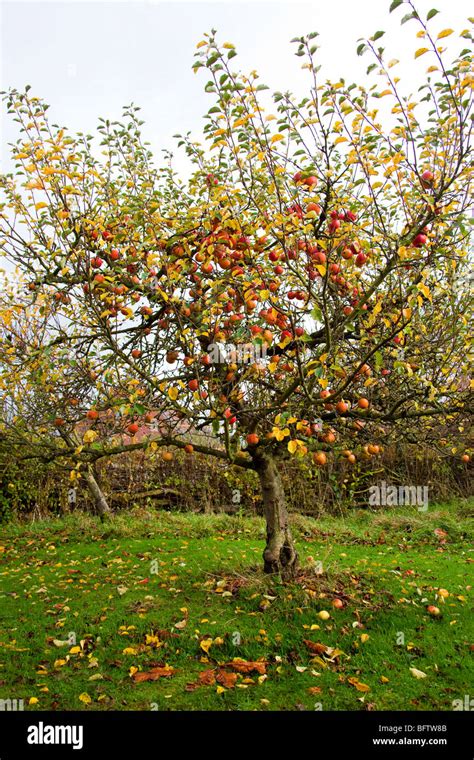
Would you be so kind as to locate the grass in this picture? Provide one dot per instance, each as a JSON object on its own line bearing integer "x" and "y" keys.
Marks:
{"x": 122, "y": 587}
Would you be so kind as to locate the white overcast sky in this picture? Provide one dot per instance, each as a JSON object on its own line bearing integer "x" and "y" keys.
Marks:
{"x": 88, "y": 59}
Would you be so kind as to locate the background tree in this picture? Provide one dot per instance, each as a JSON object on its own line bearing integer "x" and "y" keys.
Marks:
{"x": 301, "y": 295}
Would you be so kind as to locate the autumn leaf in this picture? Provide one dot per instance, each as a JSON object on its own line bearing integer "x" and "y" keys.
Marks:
{"x": 247, "y": 666}
{"x": 228, "y": 680}
{"x": 444, "y": 33}
{"x": 205, "y": 645}
{"x": 207, "y": 678}
{"x": 417, "y": 673}
{"x": 315, "y": 647}
{"x": 357, "y": 684}
{"x": 154, "y": 674}
{"x": 85, "y": 698}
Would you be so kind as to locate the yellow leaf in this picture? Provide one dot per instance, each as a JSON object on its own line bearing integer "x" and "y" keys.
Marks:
{"x": 89, "y": 436}
{"x": 377, "y": 308}
{"x": 152, "y": 640}
{"x": 133, "y": 670}
{"x": 277, "y": 138}
{"x": 444, "y": 33}
{"x": 40, "y": 205}
{"x": 220, "y": 690}
{"x": 358, "y": 685}
{"x": 417, "y": 673}
{"x": 201, "y": 44}
{"x": 32, "y": 701}
{"x": 364, "y": 637}
{"x": 292, "y": 446}
{"x": 173, "y": 393}
{"x": 84, "y": 697}
{"x": 130, "y": 650}
{"x": 420, "y": 52}
{"x": 425, "y": 290}
{"x": 205, "y": 645}
{"x": 74, "y": 650}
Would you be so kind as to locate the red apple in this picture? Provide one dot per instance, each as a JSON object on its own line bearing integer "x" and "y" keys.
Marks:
{"x": 420, "y": 240}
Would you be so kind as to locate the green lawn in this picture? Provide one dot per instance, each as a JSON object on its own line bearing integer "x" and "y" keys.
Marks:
{"x": 122, "y": 587}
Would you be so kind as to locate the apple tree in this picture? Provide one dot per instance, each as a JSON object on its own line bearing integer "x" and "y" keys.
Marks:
{"x": 303, "y": 293}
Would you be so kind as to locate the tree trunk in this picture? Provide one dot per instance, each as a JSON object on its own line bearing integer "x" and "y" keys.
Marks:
{"x": 100, "y": 501}
{"x": 280, "y": 555}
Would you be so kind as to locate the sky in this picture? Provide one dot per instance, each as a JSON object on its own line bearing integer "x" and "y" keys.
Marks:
{"x": 88, "y": 59}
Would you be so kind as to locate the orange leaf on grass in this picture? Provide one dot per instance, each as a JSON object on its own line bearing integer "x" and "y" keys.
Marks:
{"x": 154, "y": 674}
{"x": 207, "y": 678}
{"x": 315, "y": 647}
{"x": 247, "y": 666}
{"x": 228, "y": 680}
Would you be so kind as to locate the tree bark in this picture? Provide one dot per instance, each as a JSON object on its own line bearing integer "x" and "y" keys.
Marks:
{"x": 100, "y": 501}
{"x": 280, "y": 555}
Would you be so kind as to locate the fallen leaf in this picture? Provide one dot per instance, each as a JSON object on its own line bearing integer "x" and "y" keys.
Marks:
{"x": 358, "y": 685}
{"x": 417, "y": 673}
{"x": 205, "y": 645}
{"x": 245, "y": 666}
{"x": 207, "y": 678}
{"x": 130, "y": 650}
{"x": 315, "y": 647}
{"x": 154, "y": 674}
{"x": 228, "y": 680}
{"x": 84, "y": 697}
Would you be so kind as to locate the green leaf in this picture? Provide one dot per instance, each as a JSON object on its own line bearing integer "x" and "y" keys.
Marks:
{"x": 377, "y": 36}
{"x": 361, "y": 48}
{"x": 395, "y": 4}
{"x": 378, "y": 359}
{"x": 431, "y": 14}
